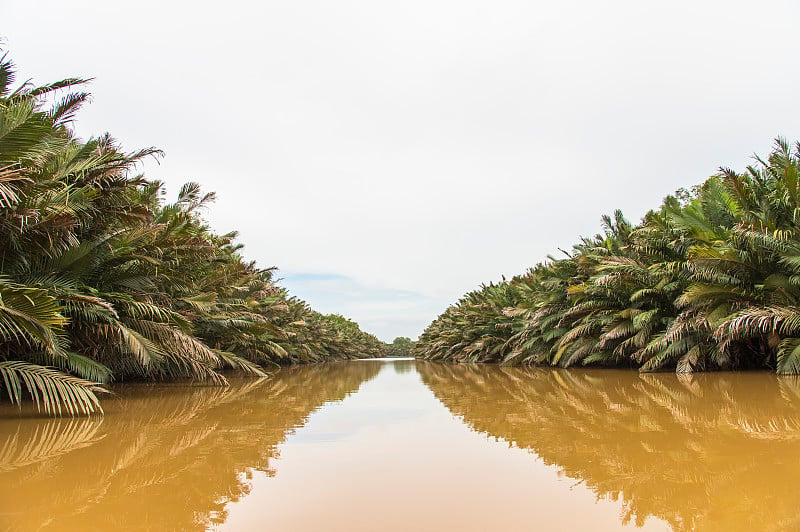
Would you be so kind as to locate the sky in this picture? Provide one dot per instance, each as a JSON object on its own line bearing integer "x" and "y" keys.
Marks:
{"x": 389, "y": 156}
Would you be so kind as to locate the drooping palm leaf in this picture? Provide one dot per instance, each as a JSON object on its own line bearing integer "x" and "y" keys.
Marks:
{"x": 51, "y": 390}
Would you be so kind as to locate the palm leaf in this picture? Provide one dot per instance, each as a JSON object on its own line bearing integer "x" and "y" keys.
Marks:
{"x": 50, "y": 389}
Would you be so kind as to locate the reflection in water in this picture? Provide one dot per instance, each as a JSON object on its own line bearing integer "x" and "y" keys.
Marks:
{"x": 392, "y": 458}
{"x": 163, "y": 457}
{"x": 401, "y": 366}
{"x": 712, "y": 452}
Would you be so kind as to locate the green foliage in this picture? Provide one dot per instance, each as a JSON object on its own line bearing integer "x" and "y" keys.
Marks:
{"x": 710, "y": 280}
{"x": 401, "y": 346}
{"x": 101, "y": 279}
{"x": 50, "y": 389}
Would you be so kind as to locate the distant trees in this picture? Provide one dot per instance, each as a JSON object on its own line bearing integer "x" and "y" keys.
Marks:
{"x": 101, "y": 278}
{"x": 400, "y": 347}
{"x": 710, "y": 280}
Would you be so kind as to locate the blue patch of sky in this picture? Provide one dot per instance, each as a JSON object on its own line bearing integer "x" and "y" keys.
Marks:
{"x": 383, "y": 311}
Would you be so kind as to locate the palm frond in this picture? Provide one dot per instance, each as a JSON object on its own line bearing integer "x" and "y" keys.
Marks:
{"x": 50, "y": 389}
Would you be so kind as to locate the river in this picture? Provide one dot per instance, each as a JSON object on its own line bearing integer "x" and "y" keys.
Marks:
{"x": 384, "y": 445}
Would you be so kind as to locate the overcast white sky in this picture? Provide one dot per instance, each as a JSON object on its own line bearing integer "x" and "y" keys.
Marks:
{"x": 389, "y": 156}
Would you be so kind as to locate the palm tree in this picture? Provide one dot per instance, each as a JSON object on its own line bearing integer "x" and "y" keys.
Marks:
{"x": 709, "y": 280}
{"x": 100, "y": 279}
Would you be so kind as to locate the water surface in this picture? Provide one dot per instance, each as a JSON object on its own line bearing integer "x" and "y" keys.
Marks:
{"x": 406, "y": 445}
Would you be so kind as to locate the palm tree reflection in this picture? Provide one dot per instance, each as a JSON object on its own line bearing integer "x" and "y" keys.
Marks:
{"x": 166, "y": 457}
{"x": 712, "y": 452}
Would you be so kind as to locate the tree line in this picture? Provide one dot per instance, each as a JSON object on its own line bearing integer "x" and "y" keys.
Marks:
{"x": 402, "y": 346}
{"x": 710, "y": 280}
{"x": 102, "y": 279}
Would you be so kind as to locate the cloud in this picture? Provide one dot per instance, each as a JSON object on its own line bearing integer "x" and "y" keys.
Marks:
{"x": 384, "y": 311}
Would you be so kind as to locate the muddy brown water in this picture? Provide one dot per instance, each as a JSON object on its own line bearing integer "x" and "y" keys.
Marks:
{"x": 406, "y": 445}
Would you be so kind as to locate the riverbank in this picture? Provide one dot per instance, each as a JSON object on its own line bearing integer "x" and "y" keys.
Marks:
{"x": 103, "y": 279}
{"x": 710, "y": 280}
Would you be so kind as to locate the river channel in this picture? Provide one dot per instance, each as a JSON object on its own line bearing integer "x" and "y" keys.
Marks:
{"x": 384, "y": 445}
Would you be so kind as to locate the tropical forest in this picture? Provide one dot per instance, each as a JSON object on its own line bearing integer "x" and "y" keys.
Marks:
{"x": 104, "y": 279}
{"x": 708, "y": 281}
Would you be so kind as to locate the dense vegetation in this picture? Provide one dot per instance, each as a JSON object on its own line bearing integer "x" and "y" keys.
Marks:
{"x": 101, "y": 279}
{"x": 710, "y": 280}
{"x": 402, "y": 346}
